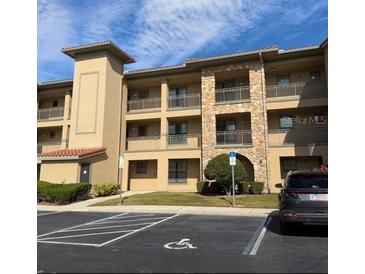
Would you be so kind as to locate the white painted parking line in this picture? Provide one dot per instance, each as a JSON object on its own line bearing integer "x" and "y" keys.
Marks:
{"x": 93, "y": 222}
{"x": 135, "y": 216}
{"x": 85, "y": 235}
{"x": 67, "y": 243}
{"x": 93, "y": 230}
{"x": 138, "y": 230}
{"x": 48, "y": 213}
{"x": 134, "y": 220}
{"x": 254, "y": 243}
{"x": 106, "y": 227}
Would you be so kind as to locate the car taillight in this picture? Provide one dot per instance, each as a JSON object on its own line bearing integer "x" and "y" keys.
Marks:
{"x": 291, "y": 195}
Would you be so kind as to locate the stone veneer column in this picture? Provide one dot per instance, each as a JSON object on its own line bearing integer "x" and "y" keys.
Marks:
{"x": 258, "y": 122}
{"x": 208, "y": 116}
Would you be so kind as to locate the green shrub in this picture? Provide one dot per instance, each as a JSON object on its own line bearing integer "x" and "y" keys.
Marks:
{"x": 106, "y": 189}
{"x": 245, "y": 187}
{"x": 256, "y": 187}
{"x": 62, "y": 193}
{"x": 218, "y": 169}
{"x": 202, "y": 187}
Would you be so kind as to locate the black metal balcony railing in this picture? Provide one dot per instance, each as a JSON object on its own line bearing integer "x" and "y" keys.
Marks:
{"x": 234, "y": 94}
{"x": 168, "y": 141}
{"x": 298, "y": 136}
{"x": 312, "y": 89}
{"x": 142, "y": 104}
{"x": 50, "y": 113}
{"x": 189, "y": 140}
{"x": 184, "y": 101}
{"x": 234, "y": 137}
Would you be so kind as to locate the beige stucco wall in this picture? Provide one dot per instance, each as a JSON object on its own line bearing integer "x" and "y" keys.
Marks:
{"x": 161, "y": 157}
{"x": 277, "y": 152}
{"x": 60, "y": 172}
{"x": 88, "y": 102}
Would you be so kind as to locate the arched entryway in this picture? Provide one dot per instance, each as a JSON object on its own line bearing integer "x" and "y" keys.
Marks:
{"x": 248, "y": 166}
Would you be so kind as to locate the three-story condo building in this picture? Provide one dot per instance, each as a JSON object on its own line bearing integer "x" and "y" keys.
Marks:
{"x": 157, "y": 128}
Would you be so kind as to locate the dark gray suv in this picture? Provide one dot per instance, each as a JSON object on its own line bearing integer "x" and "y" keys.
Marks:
{"x": 303, "y": 199}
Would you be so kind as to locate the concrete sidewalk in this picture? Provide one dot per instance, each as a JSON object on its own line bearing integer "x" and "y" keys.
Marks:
{"x": 84, "y": 206}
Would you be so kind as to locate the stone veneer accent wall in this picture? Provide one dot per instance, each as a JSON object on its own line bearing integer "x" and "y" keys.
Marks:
{"x": 257, "y": 153}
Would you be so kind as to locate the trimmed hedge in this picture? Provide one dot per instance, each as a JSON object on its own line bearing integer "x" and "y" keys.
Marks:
{"x": 62, "y": 193}
{"x": 106, "y": 189}
{"x": 256, "y": 187}
{"x": 245, "y": 187}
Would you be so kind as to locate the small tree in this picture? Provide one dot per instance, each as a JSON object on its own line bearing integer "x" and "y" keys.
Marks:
{"x": 218, "y": 169}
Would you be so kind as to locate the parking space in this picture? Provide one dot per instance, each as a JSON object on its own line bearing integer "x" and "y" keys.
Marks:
{"x": 130, "y": 242}
{"x": 103, "y": 231}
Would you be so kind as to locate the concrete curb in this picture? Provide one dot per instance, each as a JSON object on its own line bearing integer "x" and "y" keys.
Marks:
{"x": 252, "y": 212}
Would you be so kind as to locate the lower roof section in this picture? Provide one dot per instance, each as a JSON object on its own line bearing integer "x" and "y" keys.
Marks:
{"x": 71, "y": 153}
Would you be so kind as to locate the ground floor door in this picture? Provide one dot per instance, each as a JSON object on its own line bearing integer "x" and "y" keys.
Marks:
{"x": 85, "y": 173}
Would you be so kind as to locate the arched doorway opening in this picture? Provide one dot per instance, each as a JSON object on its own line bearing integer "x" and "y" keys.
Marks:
{"x": 248, "y": 166}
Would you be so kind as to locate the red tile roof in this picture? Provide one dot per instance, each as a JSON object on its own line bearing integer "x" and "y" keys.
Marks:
{"x": 73, "y": 152}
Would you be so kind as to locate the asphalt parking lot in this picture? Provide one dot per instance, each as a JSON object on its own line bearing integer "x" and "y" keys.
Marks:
{"x": 87, "y": 242}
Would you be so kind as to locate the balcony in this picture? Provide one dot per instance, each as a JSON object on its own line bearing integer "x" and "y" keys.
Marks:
{"x": 51, "y": 146}
{"x": 143, "y": 143}
{"x": 144, "y": 104}
{"x": 184, "y": 101}
{"x": 232, "y": 95}
{"x": 178, "y": 141}
{"x": 305, "y": 90}
{"x": 55, "y": 113}
{"x": 184, "y": 141}
{"x": 298, "y": 136}
{"x": 234, "y": 138}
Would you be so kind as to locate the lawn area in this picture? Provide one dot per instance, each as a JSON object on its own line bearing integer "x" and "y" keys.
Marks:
{"x": 194, "y": 199}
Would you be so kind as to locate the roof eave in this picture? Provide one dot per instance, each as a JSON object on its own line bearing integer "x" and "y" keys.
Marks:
{"x": 106, "y": 45}
{"x": 230, "y": 56}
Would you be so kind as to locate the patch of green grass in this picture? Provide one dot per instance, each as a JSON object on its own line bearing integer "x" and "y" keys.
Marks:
{"x": 258, "y": 201}
{"x": 194, "y": 199}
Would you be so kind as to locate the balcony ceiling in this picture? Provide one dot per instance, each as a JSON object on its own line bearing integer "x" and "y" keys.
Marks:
{"x": 294, "y": 65}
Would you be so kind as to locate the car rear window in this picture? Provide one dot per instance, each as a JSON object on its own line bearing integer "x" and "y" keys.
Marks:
{"x": 308, "y": 181}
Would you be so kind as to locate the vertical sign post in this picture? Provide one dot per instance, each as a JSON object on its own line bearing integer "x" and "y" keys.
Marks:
{"x": 232, "y": 163}
{"x": 121, "y": 166}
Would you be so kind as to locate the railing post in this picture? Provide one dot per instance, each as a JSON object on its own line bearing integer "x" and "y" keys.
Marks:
{"x": 295, "y": 89}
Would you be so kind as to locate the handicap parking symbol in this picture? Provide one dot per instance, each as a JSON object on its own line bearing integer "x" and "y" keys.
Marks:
{"x": 182, "y": 244}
